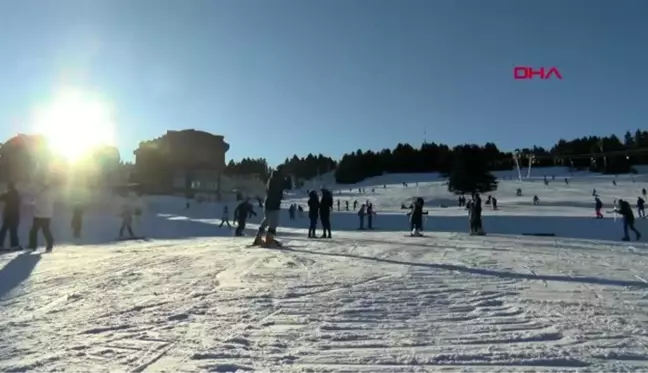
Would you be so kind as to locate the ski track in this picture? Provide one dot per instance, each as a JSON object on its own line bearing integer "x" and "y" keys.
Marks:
{"x": 218, "y": 306}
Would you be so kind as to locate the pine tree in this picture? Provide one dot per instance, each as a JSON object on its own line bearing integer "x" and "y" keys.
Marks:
{"x": 470, "y": 172}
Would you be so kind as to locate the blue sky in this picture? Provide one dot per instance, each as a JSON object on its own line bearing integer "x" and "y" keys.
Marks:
{"x": 279, "y": 77}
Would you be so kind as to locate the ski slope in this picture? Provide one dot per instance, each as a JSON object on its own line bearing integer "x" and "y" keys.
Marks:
{"x": 192, "y": 298}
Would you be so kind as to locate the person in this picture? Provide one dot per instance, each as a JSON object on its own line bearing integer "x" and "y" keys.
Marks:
{"x": 641, "y": 207}
{"x": 416, "y": 217}
{"x": 624, "y": 209}
{"x": 476, "y": 227}
{"x": 326, "y": 205}
{"x": 127, "y": 218}
{"x": 313, "y": 213}
{"x": 272, "y": 208}
{"x": 225, "y": 218}
{"x": 77, "y": 220}
{"x": 241, "y": 214}
{"x": 10, "y": 217}
{"x": 43, "y": 202}
{"x": 598, "y": 205}
{"x": 361, "y": 216}
{"x": 370, "y": 215}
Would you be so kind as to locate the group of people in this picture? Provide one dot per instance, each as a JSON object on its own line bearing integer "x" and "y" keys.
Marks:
{"x": 42, "y": 201}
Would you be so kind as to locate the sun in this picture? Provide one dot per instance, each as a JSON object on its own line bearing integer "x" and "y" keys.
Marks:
{"x": 74, "y": 123}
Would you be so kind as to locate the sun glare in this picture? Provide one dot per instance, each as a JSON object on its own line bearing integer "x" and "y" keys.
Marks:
{"x": 74, "y": 123}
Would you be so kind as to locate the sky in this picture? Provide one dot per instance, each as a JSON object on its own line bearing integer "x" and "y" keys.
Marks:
{"x": 284, "y": 77}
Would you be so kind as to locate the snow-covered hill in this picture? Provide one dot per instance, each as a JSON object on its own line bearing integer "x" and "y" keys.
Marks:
{"x": 192, "y": 298}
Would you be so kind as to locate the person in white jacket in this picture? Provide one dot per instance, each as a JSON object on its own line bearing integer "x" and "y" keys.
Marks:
{"x": 43, "y": 202}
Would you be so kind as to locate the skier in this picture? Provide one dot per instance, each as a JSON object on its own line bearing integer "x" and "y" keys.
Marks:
{"x": 272, "y": 208}
{"x": 536, "y": 200}
{"x": 10, "y": 217}
{"x": 476, "y": 227}
{"x": 326, "y": 204}
{"x": 361, "y": 216}
{"x": 225, "y": 218}
{"x": 594, "y": 192}
{"x": 300, "y": 209}
{"x": 355, "y": 205}
{"x": 291, "y": 211}
{"x": 77, "y": 220}
{"x": 241, "y": 214}
{"x": 338, "y": 204}
{"x": 494, "y": 203}
{"x": 624, "y": 210}
{"x": 313, "y": 213}
{"x": 346, "y": 205}
{"x": 643, "y": 191}
{"x": 614, "y": 182}
{"x": 641, "y": 211}
{"x": 126, "y": 215}
{"x": 416, "y": 217}
{"x": 598, "y": 205}
{"x": 43, "y": 212}
{"x": 370, "y": 215}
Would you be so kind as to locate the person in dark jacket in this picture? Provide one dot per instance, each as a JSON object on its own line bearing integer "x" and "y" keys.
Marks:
{"x": 272, "y": 208}
{"x": 313, "y": 213}
{"x": 241, "y": 214}
{"x": 416, "y": 217}
{"x": 476, "y": 227}
{"x": 625, "y": 210}
{"x": 326, "y": 205}
{"x": 641, "y": 207}
{"x": 10, "y": 216}
{"x": 598, "y": 205}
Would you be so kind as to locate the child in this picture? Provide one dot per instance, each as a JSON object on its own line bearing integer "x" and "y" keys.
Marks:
{"x": 127, "y": 219}
{"x": 225, "y": 217}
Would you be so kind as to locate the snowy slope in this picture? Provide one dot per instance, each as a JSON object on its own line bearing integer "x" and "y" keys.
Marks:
{"x": 195, "y": 299}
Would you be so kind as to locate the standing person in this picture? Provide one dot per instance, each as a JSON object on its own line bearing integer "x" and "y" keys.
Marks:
{"x": 625, "y": 210}
{"x": 10, "y": 217}
{"x": 313, "y": 213}
{"x": 361, "y": 216}
{"x": 77, "y": 220}
{"x": 416, "y": 217}
{"x": 641, "y": 208}
{"x": 127, "y": 218}
{"x": 326, "y": 205}
{"x": 598, "y": 205}
{"x": 272, "y": 208}
{"x": 225, "y": 218}
{"x": 476, "y": 227}
{"x": 43, "y": 212}
{"x": 370, "y": 215}
{"x": 241, "y": 214}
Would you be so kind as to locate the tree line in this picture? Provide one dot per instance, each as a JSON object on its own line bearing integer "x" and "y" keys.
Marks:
{"x": 607, "y": 154}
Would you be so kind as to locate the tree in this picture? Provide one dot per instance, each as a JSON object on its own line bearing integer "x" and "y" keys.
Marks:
{"x": 470, "y": 172}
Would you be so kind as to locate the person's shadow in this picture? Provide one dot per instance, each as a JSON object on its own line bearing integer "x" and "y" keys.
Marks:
{"x": 16, "y": 271}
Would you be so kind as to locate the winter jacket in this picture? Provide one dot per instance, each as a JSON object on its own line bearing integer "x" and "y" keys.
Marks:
{"x": 326, "y": 204}
{"x": 11, "y": 200}
{"x": 274, "y": 192}
{"x": 243, "y": 210}
{"x": 313, "y": 205}
{"x": 44, "y": 203}
{"x": 416, "y": 215}
{"x": 625, "y": 210}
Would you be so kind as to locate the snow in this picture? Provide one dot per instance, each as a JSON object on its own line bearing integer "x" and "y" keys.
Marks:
{"x": 192, "y": 298}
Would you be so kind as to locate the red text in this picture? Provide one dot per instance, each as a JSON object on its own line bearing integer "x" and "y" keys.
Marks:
{"x": 525, "y": 72}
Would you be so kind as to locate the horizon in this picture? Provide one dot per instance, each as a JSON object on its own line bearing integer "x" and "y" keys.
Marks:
{"x": 323, "y": 77}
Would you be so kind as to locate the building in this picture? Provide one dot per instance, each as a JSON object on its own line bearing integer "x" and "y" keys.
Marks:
{"x": 187, "y": 161}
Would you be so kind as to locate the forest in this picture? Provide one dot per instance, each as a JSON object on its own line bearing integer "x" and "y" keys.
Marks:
{"x": 608, "y": 154}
